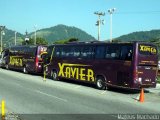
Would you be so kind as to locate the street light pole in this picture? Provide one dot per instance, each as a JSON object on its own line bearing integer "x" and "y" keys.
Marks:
{"x": 15, "y": 38}
{"x": 1, "y": 40}
{"x": 99, "y": 27}
{"x": 99, "y": 21}
{"x": 2, "y": 33}
{"x": 35, "y": 34}
{"x": 110, "y": 11}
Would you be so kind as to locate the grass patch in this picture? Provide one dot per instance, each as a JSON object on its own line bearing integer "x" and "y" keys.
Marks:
{"x": 158, "y": 80}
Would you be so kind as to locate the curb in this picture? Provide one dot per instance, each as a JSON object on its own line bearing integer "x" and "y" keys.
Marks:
{"x": 154, "y": 90}
{"x": 158, "y": 85}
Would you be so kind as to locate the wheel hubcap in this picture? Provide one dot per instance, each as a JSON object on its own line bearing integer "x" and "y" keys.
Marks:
{"x": 54, "y": 75}
{"x": 99, "y": 83}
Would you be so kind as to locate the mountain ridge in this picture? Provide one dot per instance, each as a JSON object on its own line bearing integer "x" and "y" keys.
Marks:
{"x": 60, "y": 32}
{"x": 51, "y": 34}
{"x": 140, "y": 36}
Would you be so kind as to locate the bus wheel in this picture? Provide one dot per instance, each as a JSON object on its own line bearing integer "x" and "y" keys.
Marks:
{"x": 24, "y": 69}
{"x": 100, "y": 83}
{"x": 54, "y": 75}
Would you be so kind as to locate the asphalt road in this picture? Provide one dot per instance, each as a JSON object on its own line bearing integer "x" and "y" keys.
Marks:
{"x": 29, "y": 96}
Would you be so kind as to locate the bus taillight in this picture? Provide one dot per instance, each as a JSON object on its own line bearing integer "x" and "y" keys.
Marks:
{"x": 37, "y": 61}
{"x": 136, "y": 78}
{"x": 135, "y": 75}
{"x": 38, "y": 65}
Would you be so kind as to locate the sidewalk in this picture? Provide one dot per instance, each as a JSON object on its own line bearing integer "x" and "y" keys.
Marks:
{"x": 154, "y": 90}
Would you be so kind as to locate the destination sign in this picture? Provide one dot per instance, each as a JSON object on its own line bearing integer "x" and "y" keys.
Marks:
{"x": 147, "y": 48}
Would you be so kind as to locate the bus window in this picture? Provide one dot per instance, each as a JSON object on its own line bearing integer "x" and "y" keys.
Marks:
{"x": 112, "y": 52}
{"x": 87, "y": 52}
{"x": 57, "y": 51}
{"x": 99, "y": 54}
{"x": 64, "y": 52}
{"x": 69, "y": 52}
{"x": 126, "y": 53}
{"x": 6, "y": 53}
{"x": 76, "y": 52}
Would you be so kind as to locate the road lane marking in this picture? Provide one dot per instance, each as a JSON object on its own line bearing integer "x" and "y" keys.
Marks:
{"x": 51, "y": 96}
{"x": 116, "y": 116}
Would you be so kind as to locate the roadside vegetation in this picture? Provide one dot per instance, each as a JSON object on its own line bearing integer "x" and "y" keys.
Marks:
{"x": 66, "y": 41}
{"x": 158, "y": 80}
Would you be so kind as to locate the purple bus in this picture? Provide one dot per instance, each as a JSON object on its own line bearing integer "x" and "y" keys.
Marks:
{"x": 125, "y": 65}
{"x": 25, "y": 58}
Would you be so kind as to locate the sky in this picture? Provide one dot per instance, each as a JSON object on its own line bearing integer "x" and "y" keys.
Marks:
{"x": 129, "y": 16}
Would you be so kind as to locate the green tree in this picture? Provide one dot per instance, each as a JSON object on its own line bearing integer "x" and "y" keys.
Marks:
{"x": 66, "y": 41}
{"x": 39, "y": 41}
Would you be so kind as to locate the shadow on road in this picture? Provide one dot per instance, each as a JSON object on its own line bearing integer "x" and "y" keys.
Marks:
{"x": 118, "y": 90}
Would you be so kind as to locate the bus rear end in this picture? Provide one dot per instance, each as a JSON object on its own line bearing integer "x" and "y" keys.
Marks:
{"x": 145, "y": 65}
{"x": 41, "y": 50}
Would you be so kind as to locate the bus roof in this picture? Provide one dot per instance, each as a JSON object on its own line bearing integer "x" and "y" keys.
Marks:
{"x": 100, "y": 42}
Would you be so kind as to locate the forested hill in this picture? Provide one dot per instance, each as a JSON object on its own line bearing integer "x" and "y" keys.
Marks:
{"x": 9, "y": 37}
{"x": 140, "y": 36}
{"x": 61, "y": 32}
{"x": 52, "y": 34}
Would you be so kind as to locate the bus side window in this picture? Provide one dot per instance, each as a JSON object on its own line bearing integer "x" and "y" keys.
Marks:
{"x": 129, "y": 57}
{"x": 69, "y": 52}
{"x": 112, "y": 52}
{"x": 87, "y": 52}
{"x": 126, "y": 53}
{"x": 5, "y": 53}
{"x": 99, "y": 53}
{"x": 57, "y": 52}
{"x": 76, "y": 52}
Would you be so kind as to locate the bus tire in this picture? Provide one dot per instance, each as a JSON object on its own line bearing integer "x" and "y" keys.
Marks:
{"x": 54, "y": 75}
{"x": 24, "y": 69}
{"x": 100, "y": 83}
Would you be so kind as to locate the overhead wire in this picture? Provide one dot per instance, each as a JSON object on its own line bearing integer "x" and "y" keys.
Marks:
{"x": 139, "y": 12}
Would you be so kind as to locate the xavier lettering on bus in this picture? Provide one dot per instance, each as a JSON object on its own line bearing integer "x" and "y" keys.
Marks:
{"x": 77, "y": 71}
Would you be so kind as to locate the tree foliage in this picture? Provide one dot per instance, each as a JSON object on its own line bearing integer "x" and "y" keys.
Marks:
{"x": 140, "y": 36}
{"x": 62, "y": 32}
{"x": 66, "y": 41}
{"x": 39, "y": 41}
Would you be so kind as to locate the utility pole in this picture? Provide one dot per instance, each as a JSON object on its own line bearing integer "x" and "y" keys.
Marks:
{"x": 99, "y": 22}
{"x": 15, "y": 38}
{"x": 2, "y": 33}
{"x": 110, "y": 11}
{"x": 35, "y": 34}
